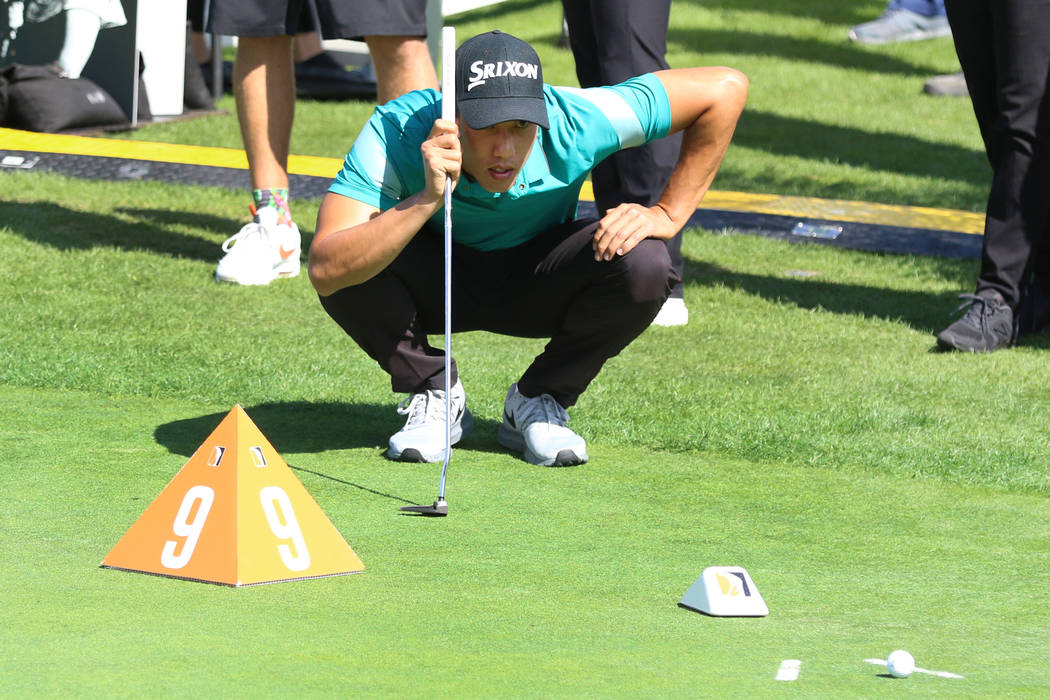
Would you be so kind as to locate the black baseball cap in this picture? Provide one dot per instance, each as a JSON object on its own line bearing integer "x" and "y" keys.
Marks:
{"x": 498, "y": 79}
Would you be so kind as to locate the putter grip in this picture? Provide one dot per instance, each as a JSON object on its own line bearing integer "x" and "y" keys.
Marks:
{"x": 448, "y": 73}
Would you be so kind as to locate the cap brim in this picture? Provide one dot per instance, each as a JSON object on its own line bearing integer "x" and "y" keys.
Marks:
{"x": 482, "y": 113}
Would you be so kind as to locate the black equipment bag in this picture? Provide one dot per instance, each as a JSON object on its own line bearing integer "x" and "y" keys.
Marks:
{"x": 38, "y": 98}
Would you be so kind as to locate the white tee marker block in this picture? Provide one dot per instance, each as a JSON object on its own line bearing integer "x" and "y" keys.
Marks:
{"x": 725, "y": 591}
{"x": 789, "y": 670}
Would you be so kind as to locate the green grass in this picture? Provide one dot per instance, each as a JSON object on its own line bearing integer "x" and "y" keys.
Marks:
{"x": 825, "y": 117}
{"x": 881, "y": 495}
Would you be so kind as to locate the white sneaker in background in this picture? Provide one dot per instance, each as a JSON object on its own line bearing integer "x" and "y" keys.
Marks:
{"x": 261, "y": 251}
{"x": 674, "y": 312}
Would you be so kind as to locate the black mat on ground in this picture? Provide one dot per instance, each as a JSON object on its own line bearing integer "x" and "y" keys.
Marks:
{"x": 856, "y": 236}
{"x": 105, "y": 168}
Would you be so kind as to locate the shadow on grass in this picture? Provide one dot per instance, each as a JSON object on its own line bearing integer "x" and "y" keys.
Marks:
{"x": 205, "y": 222}
{"x": 922, "y": 311}
{"x": 360, "y": 487}
{"x": 496, "y": 12}
{"x": 209, "y": 223}
{"x": 300, "y": 426}
{"x": 309, "y": 427}
{"x": 831, "y": 52}
{"x": 894, "y": 153}
{"x": 828, "y": 12}
{"x": 841, "y": 12}
{"x": 67, "y": 229}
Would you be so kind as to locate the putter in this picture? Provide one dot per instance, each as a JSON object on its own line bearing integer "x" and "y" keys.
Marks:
{"x": 448, "y": 113}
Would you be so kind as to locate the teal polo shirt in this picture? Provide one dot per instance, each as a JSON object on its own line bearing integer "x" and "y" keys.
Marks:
{"x": 385, "y": 164}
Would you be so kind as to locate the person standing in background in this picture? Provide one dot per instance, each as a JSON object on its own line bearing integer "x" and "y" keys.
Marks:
{"x": 1004, "y": 49}
{"x": 264, "y": 87}
{"x": 611, "y": 41}
{"x": 913, "y": 20}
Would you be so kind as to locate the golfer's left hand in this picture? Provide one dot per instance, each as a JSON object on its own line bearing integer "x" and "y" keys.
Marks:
{"x": 622, "y": 228}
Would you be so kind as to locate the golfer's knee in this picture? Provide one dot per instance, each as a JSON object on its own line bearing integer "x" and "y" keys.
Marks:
{"x": 648, "y": 272}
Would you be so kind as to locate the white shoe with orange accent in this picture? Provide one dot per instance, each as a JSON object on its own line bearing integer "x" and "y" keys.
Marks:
{"x": 261, "y": 251}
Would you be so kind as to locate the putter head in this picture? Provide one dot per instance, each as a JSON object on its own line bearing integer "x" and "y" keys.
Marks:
{"x": 439, "y": 509}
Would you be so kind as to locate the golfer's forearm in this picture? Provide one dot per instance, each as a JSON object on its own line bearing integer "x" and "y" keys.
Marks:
{"x": 691, "y": 178}
{"x": 704, "y": 142}
{"x": 356, "y": 254}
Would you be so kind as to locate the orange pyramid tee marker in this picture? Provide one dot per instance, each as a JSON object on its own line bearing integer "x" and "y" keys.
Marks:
{"x": 234, "y": 514}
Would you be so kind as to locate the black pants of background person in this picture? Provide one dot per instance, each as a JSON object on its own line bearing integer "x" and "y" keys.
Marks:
{"x": 548, "y": 287}
{"x": 613, "y": 40}
{"x": 1004, "y": 50}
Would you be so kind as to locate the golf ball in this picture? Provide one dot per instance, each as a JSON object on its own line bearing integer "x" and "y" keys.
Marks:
{"x": 900, "y": 664}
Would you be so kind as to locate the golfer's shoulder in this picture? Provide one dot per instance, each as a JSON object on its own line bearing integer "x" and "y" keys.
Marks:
{"x": 635, "y": 95}
{"x": 409, "y": 116}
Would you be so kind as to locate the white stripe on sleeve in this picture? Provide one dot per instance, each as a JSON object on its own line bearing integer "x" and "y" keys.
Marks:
{"x": 616, "y": 109}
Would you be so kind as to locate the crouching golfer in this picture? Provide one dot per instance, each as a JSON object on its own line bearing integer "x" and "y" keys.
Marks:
{"x": 522, "y": 264}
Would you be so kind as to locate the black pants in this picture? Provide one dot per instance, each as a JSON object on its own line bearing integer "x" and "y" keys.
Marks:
{"x": 613, "y": 40}
{"x": 548, "y": 287}
{"x": 1004, "y": 50}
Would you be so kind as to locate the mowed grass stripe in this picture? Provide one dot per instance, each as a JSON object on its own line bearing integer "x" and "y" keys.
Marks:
{"x": 565, "y": 582}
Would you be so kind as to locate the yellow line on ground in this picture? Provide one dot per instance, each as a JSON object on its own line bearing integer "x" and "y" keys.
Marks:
{"x": 11, "y": 139}
{"x": 800, "y": 207}
{"x": 839, "y": 210}
{"x": 846, "y": 210}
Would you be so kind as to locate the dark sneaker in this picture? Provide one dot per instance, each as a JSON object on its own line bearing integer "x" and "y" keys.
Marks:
{"x": 323, "y": 78}
{"x": 987, "y": 325}
{"x": 952, "y": 85}
{"x": 538, "y": 427}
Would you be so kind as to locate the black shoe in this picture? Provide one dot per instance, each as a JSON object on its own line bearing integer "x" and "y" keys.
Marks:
{"x": 227, "y": 76}
{"x": 320, "y": 66}
{"x": 987, "y": 325}
{"x": 323, "y": 78}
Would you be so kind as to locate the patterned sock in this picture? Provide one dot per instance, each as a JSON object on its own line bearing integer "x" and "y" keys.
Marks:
{"x": 276, "y": 197}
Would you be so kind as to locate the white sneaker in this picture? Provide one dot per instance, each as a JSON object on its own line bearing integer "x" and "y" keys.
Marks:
{"x": 423, "y": 437}
{"x": 261, "y": 251}
{"x": 537, "y": 427}
{"x": 674, "y": 312}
